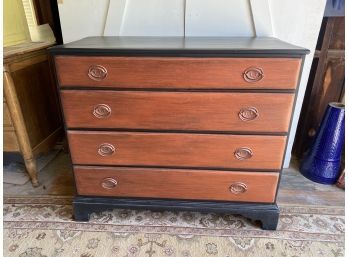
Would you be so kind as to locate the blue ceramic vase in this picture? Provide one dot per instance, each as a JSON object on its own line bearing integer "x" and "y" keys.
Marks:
{"x": 322, "y": 162}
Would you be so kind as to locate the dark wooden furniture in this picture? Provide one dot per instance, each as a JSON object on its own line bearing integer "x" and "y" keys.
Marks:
{"x": 46, "y": 11}
{"x": 195, "y": 124}
{"x": 325, "y": 84}
{"x": 32, "y": 120}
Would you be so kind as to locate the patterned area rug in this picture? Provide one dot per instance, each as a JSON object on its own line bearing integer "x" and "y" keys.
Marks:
{"x": 43, "y": 227}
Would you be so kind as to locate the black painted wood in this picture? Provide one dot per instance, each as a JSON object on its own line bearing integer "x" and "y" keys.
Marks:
{"x": 268, "y": 214}
{"x": 179, "y": 46}
{"x": 179, "y": 167}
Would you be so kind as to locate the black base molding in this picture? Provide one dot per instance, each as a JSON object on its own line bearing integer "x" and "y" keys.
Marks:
{"x": 268, "y": 214}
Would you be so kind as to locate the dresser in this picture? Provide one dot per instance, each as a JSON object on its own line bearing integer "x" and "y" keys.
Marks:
{"x": 173, "y": 123}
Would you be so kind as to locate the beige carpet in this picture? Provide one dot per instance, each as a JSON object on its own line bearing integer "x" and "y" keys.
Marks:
{"x": 42, "y": 226}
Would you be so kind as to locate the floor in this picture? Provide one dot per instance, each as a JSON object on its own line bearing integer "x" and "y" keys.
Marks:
{"x": 57, "y": 179}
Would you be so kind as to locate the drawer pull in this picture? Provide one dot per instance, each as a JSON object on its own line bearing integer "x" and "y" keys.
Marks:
{"x": 248, "y": 114}
{"x": 102, "y": 111}
{"x": 253, "y": 74}
{"x": 97, "y": 72}
{"x": 238, "y": 188}
{"x": 106, "y": 149}
{"x": 243, "y": 153}
{"x": 109, "y": 183}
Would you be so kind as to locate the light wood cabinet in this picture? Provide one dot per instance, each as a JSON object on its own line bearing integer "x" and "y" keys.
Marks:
{"x": 32, "y": 120}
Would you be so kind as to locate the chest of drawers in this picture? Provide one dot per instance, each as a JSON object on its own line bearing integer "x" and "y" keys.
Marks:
{"x": 196, "y": 124}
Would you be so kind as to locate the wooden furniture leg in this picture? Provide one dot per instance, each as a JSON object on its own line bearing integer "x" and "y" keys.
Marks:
{"x": 30, "y": 165}
{"x": 19, "y": 125}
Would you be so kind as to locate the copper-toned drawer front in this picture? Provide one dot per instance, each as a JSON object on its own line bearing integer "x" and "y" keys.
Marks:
{"x": 174, "y": 72}
{"x": 177, "y": 149}
{"x": 176, "y": 183}
{"x": 260, "y": 112}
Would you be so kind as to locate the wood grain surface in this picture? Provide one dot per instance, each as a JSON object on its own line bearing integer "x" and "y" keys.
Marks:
{"x": 7, "y": 122}
{"x": 176, "y": 183}
{"x": 31, "y": 96}
{"x": 176, "y": 149}
{"x": 10, "y": 141}
{"x": 178, "y": 72}
{"x": 177, "y": 110}
{"x": 36, "y": 91}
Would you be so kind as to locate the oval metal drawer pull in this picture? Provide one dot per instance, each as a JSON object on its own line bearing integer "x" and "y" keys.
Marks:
{"x": 238, "y": 188}
{"x": 102, "y": 111}
{"x": 243, "y": 153}
{"x": 97, "y": 72}
{"x": 106, "y": 149}
{"x": 109, "y": 183}
{"x": 253, "y": 74}
{"x": 248, "y": 114}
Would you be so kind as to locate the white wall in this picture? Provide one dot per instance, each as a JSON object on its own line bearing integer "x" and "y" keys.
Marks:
{"x": 294, "y": 21}
{"x": 82, "y": 18}
{"x": 218, "y": 18}
{"x": 298, "y": 22}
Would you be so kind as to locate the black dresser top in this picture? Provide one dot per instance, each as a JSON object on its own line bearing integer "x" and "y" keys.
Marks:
{"x": 182, "y": 46}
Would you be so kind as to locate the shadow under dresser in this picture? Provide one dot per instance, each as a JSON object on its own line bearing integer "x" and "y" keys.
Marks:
{"x": 193, "y": 124}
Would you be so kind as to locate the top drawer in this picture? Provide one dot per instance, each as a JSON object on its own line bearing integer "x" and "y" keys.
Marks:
{"x": 178, "y": 72}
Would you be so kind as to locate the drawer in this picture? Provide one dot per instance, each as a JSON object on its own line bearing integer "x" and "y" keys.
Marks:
{"x": 258, "y": 112}
{"x": 176, "y": 183}
{"x": 178, "y": 72}
{"x": 176, "y": 149}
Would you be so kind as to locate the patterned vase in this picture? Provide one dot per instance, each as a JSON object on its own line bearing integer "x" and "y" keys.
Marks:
{"x": 322, "y": 162}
